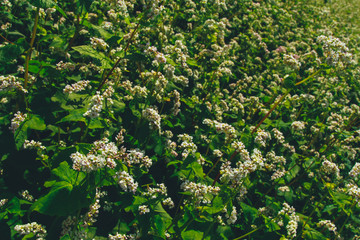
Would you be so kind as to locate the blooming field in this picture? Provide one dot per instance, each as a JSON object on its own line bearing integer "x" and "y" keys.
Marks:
{"x": 178, "y": 119}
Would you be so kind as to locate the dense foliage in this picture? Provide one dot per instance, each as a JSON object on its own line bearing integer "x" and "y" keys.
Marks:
{"x": 178, "y": 119}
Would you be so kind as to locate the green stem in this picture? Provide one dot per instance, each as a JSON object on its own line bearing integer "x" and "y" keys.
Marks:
{"x": 249, "y": 233}
{"x": 28, "y": 56}
{"x": 311, "y": 76}
{"x": 270, "y": 111}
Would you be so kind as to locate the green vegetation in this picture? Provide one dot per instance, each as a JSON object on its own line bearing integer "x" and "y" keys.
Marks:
{"x": 179, "y": 119}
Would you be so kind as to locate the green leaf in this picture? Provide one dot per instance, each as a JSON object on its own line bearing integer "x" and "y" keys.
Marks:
{"x": 21, "y": 135}
{"x": 10, "y": 52}
{"x": 160, "y": 227}
{"x": 36, "y": 122}
{"x": 43, "y": 3}
{"x": 63, "y": 199}
{"x": 192, "y": 235}
{"x": 65, "y": 173}
{"x": 216, "y": 206}
{"x": 74, "y": 116}
{"x": 87, "y": 50}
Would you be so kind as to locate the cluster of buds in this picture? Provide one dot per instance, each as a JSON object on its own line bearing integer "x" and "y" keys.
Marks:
{"x": 187, "y": 145}
{"x": 126, "y": 181}
{"x": 199, "y": 191}
{"x": 221, "y": 128}
{"x": 11, "y": 82}
{"x": 335, "y": 50}
{"x": 98, "y": 43}
{"x": 76, "y": 87}
{"x": 33, "y": 145}
{"x": 34, "y": 228}
{"x": 152, "y": 115}
{"x": 17, "y": 120}
{"x": 101, "y": 155}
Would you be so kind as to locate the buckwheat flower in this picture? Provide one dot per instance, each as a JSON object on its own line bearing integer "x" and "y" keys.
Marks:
{"x": 96, "y": 105}
{"x": 284, "y": 189}
{"x": 90, "y": 217}
{"x": 231, "y": 219}
{"x": 17, "y": 120}
{"x": 76, "y": 87}
{"x": 335, "y": 50}
{"x": 119, "y": 236}
{"x": 168, "y": 202}
{"x": 152, "y": 115}
{"x": 298, "y": 126}
{"x": 278, "y": 174}
{"x": 330, "y": 168}
{"x": 33, "y": 145}
{"x": 143, "y": 209}
{"x": 292, "y": 61}
{"x": 217, "y": 153}
{"x": 262, "y": 137}
{"x": 328, "y": 225}
{"x": 3, "y": 202}
{"x": 126, "y": 181}
{"x": 37, "y": 229}
{"x": 187, "y": 145}
{"x": 355, "y": 171}
{"x": 98, "y": 43}
{"x": 65, "y": 66}
{"x": 292, "y": 225}
{"x": 11, "y": 82}
{"x": 199, "y": 191}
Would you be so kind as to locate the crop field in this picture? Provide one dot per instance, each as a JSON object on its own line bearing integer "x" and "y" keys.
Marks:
{"x": 179, "y": 119}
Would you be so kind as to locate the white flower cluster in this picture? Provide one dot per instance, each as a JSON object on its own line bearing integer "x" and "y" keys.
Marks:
{"x": 355, "y": 171}
{"x": 152, "y": 115}
{"x": 11, "y": 82}
{"x": 328, "y": 224}
{"x": 154, "y": 192}
{"x": 35, "y": 228}
{"x": 67, "y": 227}
{"x": 231, "y": 219}
{"x": 298, "y": 126}
{"x": 33, "y": 145}
{"x": 187, "y": 145}
{"x": 65, "y": 66}
{"x": 221, "y": 128}
{"x": 354, "y": 191}
{"x": 199, "y": 191}
{"x": 135, "y": 156}
{"x": 95, "y": 107}
{"x": 101, "y": 155}
{"x": 330, "y": 168}
{"x": 90, "y": 217}
{"x": 119, "y": 236}
{"x": 292, "y": 225}
{"x": 76, "y": 87}
{"x": 126, "y": 181}
{"x": 98, "y": 43}
{"x": 120, "y": 136}
{"x": 143, "y": 209}
{"x": 335, "y": 50}
{"x": 176, "y": 108}
{"x": 262, "y": 137}
{"x": 17, "y": 120}
{"x": 3, "y": 202}
{"x": 292, "y": 61}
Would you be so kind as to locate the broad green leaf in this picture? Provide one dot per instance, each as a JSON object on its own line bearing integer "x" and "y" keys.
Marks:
{"x": 36, "y": 122}
{"x": 64, "y": 199}
{"x": 87, "y": 50}
{"x": 192, "y": 235}
{"x": 67, "y": 174}
{"x": 160, "y": 227}
{"x": 216, "y": 206}
{"x": 74, "y": 116}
